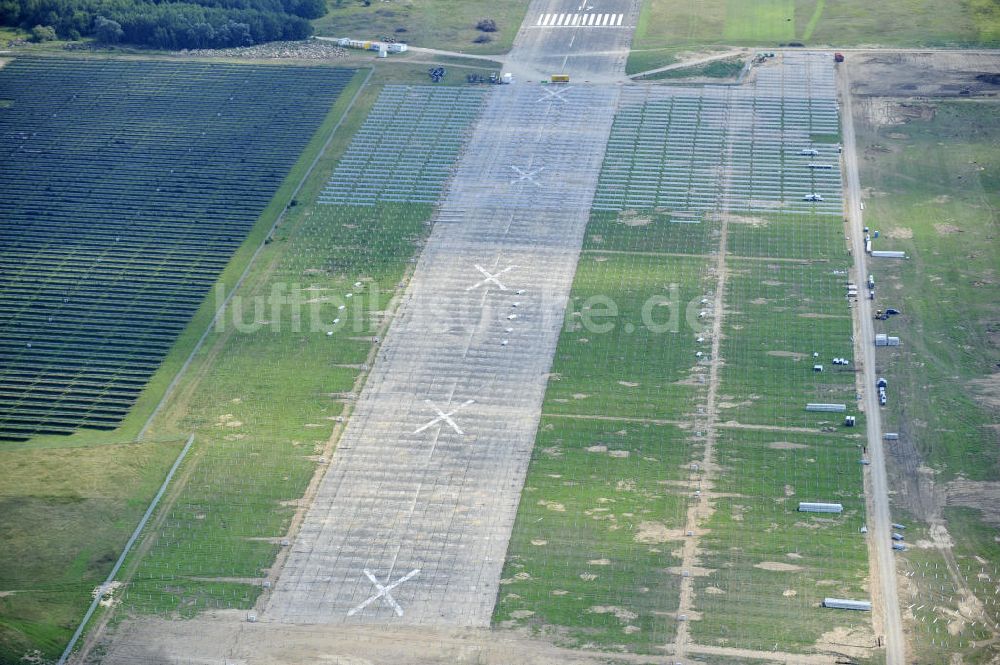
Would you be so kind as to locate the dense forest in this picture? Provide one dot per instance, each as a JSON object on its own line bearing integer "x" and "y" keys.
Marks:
{"x": 165, "y": 24}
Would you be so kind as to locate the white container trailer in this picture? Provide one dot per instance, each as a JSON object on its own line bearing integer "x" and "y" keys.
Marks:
{"x": 891, "y": 436}
{"x": 888, "y": 254}
{"x": 846, "y": 604}
{"x": 810, "y": 507}
{"x": 831, "y": 408}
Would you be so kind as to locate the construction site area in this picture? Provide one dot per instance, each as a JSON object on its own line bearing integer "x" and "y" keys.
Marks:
{"x": 564, "y": 363}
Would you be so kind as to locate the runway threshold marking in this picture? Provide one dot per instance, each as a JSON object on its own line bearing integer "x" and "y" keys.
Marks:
{"x": 579, "y": 20}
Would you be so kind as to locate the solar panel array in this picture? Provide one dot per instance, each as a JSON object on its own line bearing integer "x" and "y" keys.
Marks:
{"x": 126, "y": 187}
{"x": 407, "y": 147}
{"x": 765, "y": 147}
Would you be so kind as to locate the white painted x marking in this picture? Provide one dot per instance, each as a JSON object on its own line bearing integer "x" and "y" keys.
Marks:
{"x": 490, "y": 277}
{"x": 526, "y": 175}
{"x": 444, "y": 417}
{"x": 383, "y": 592}
{"x": 554, "y": 94}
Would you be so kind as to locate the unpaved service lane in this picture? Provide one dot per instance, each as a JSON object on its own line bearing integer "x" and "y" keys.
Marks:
{"x": 879, "y": 520}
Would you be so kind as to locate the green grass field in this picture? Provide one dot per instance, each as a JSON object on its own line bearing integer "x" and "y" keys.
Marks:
{"x": 449, "y": 25}
{"x": 669, "y": 27}
{"x": 762, "y": 567}
{"x": 66, "y": 515}
{"x": 939, "y": 204}
{"x": 600, "y": 515}
{"x": 933, "y": 191}
{"x": 622, "y": 365}
{"x": 728, "y": 68}
{"x": 780, "y": 315}
{"x": 770, "y": 566}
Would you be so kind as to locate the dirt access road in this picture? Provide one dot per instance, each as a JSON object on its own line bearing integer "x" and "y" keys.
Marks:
{"x": 879, "y": 519}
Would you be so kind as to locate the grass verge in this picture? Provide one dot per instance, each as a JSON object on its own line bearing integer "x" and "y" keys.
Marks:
{"x": 932, "y": 188}
{"x": 440, "y": 24}
{"x": 666, "y": 27}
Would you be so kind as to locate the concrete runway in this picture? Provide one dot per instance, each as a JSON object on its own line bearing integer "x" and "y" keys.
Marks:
{"x": 412, "y": 520}
{"x": 587, "y": 39}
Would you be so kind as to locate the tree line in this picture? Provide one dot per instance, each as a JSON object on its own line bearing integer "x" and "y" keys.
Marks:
{"x": 165, "y": 24}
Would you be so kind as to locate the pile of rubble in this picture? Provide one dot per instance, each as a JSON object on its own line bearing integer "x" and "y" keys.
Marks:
{"x": 310, "y": 49}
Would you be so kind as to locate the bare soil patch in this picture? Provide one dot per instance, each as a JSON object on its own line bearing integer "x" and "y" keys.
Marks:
{"x": 655, "y": 532}
{"x": 620, "y": 612}
{"x": 845, "y": 641}
{"x": 984, "y": 496}
{"x": 633, "y": 218}
{"x": 794, "y": 355}
{"x": 900, "y": 233}
{"x": 785, "y": 445}
{"x": 778, "y": 566}
{"x": 926, "y": 74}
{"x": 987, "y": 390}
{"x": 756, "y": 222}
{"x": 946, "y": 229}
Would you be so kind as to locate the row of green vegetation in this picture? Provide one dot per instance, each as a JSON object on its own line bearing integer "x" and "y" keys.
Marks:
{"x": 717, "y": 69}
{"x": 171, "y": 24}
{"x": 933, "y": 184}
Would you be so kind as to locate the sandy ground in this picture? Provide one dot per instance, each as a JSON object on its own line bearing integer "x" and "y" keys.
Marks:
{"x": 926, "y": 74}
{"x": 227, "y": 638}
